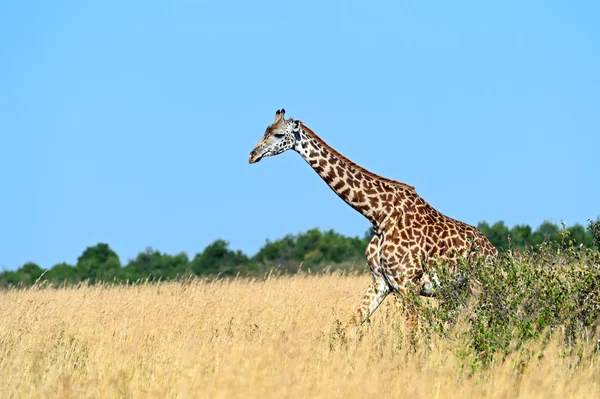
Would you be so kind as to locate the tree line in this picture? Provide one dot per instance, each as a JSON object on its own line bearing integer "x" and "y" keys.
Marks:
{"x": 313, "y": 250}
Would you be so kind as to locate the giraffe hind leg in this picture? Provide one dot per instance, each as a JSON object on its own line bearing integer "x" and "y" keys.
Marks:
{"x": 374, "y": 296}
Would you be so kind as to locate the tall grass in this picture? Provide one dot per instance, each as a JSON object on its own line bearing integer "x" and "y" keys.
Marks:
{"x": 274, "y": 337}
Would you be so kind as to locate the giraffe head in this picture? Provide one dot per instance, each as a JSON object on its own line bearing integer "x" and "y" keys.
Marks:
{"x": 280, "y": 136}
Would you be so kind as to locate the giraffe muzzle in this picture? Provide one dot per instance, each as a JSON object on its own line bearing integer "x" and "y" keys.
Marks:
{"x": 256, "y": 156}
{"x": 253, "y": 157}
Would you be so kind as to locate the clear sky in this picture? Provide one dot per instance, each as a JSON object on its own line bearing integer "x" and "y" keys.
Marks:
{"x": 130, "y": 122}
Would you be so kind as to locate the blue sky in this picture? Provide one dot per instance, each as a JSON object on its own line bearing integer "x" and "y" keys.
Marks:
{"x": 131, "y": 122}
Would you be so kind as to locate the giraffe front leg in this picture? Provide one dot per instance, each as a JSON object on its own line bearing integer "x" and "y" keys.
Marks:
{"x": 375, "y": 294}
{"x": 377, "y": 290}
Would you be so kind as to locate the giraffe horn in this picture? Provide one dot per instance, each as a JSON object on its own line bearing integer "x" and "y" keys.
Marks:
{"x": 279, "y": 114}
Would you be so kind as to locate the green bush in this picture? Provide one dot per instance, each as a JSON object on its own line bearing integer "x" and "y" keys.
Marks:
{"x": 594, "y": 228}
{"x": 522, "y": 296}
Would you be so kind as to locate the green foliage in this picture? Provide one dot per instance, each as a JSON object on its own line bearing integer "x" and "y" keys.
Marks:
{"x": 594, "y": 228}
{"x": 154, "y": 264}
{"x": 522, "y": 237}
{"x": 519, "y": 298}
{"x": 497, "y": 233}
{"x": 62, "y": 272}
{"x": 98, "y": 263}
{"x": 28, "y": 274}
{"x": 312, "y": 250}
{"x": 217, "y": 258}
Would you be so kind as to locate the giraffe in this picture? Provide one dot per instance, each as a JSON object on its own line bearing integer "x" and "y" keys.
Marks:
{"x": 409, "y": 234}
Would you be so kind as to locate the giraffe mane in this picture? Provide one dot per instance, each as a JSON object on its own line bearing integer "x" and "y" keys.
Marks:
{"x": 352, "y": 164}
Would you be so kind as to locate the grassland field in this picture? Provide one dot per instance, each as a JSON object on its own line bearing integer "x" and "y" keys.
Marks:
{"x": 274, "y": 337}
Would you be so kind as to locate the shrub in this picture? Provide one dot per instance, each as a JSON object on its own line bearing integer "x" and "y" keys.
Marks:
{"x": 594, "y": 228}
{"x": 522, "y": 296}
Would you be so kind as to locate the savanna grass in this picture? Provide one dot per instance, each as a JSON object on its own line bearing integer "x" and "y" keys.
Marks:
{"x": 281, "y": 337}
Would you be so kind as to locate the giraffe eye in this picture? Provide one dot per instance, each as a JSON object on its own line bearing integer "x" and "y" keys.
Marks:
{"x": 279, "y": 135}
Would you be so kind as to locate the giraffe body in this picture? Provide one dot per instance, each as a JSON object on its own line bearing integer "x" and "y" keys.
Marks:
{"x": 409, "y": 233}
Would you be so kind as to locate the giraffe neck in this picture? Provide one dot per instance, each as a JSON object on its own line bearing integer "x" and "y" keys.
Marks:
{"x": 371, "y": 195}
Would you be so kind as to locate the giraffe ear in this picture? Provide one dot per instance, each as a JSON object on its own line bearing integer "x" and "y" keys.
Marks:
{"x": 279, "y": 114}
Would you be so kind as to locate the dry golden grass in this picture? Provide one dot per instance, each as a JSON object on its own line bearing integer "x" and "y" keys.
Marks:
{"x": 242, "y": 338}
